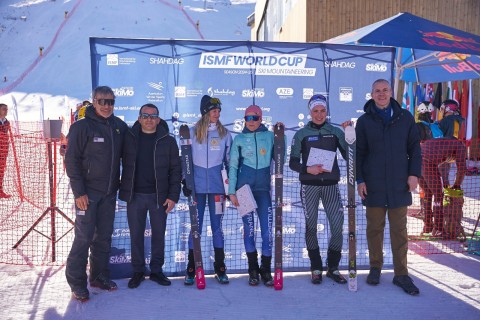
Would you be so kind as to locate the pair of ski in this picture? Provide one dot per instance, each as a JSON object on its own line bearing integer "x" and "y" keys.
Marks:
{"x": 279, "y": 157}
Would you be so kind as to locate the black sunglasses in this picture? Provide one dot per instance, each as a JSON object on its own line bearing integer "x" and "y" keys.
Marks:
{"x": 145, "y": 116}
{"x": 103, "y": 102}
{"x": 250, "y": 118}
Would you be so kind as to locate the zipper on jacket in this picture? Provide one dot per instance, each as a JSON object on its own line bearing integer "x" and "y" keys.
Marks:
{"x": 113, "y": 155}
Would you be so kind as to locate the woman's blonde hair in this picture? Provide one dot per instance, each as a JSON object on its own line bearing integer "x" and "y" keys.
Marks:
{"x": 201, "y": 129}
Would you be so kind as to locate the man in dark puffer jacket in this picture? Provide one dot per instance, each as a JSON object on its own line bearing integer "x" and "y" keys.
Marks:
{"x": 388, "y": 167}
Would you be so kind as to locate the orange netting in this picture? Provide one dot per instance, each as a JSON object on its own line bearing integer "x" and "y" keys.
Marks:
{"x": 36, "y": 221}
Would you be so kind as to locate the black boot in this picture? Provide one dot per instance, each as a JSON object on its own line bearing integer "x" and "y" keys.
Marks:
{"x": 190, "y": 272}
{"x": 333, "y": 259}
{"x": 266, "y": 271}
{"x": 253, "y": 269}
{"x": 315, "y": 265}
{"x": 219, "y": 266}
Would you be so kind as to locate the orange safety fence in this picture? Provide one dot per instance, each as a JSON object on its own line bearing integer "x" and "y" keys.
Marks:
{"x": 36, "y": 222}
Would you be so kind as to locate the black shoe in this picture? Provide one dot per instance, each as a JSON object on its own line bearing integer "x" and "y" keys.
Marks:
{"x": 253, "y": 277}
{"x": 160, "y": 278}
{"x": 373, "y": 277}
{"x": 137, "y": 278}
{"x": 103, "y": 283}
{"x": 266, "y": 276}
{"x": 316, "y": 276}
{"x": 81, "y": 294}
{"x": 335, "y": 275}
{"x": 406, "y": 283}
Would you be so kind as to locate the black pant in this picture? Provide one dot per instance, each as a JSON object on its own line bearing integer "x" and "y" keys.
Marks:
{"x": 137, "y": 216}
{"x": 93, "y": 230}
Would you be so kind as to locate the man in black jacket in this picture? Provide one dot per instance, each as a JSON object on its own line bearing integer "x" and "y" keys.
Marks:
{"x": 92, "y": 161}
{"x": 388, "y": 167}
{"x": 151, "y": 176}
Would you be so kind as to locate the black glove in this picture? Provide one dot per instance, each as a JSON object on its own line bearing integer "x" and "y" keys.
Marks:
{"x": 186, "y": 192}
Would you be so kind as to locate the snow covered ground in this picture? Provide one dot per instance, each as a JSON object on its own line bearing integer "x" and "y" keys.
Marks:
{"x": 449, "y": 283}
{"x": 449, "y": 289}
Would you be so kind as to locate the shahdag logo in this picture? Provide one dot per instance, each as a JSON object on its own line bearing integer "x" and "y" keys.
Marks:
{"x": 376, "y": 67}
{"x": 112, "y": 59}
{"x": 307, "y": 93}
{"x": 124, "y": 92}
{"x": 180, "y": 92}
{"x": 340, "y": 64}
{"x": 155, "y": 85}
{"x": 220, "y": 92}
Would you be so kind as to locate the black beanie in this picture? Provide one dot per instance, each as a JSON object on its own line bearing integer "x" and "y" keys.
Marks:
{"x": 208, "y": 103}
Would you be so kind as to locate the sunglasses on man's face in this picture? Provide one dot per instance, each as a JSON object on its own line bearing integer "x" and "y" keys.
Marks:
{"x": 146, "y": 116}
{"x": 103, "y": 102}
{"x": 250, "y": 118}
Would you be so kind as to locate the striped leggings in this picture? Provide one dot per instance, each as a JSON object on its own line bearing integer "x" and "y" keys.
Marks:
{"x": 332, "y": 203}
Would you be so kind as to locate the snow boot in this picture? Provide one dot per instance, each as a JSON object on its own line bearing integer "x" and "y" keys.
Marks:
{"x": 253, "y": 269}
{"x": 219, "y": 266}
{"x": 315, "y": 265}
{"x": 190, "y": 272}
{"x": 333, "y": 259}
{"x": 266, "y": 271}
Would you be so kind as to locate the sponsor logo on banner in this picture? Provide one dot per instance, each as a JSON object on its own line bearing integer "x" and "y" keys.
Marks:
{"x": 180, "y": 256}
{"x": 345, "y": 94}
{"x": 112, "y": 59}
{"x": 251, "y": 93}
{"x": 368, "y": 96}
{"x": 160, "y": 60}
{"x": 220, "y": 92}
{"x": 180, "y": 92}
{"x": 307, "y": 93}
{"x": 119, "y": 259}
{"x": 340, "y": 64}
{"x": 287, "y": 249}
{"x": 376, "y": 67}
{"x": 183, "y": 92}
{"x": 268, "y": 64}
{"x": 155, "y": 96}
{"x": 284, "y": 93}
{"x": 115, "y": 60}
{"x": 124, "y": 92}
{"x": 121, "y": 232}
{"x": 289, "y": 229}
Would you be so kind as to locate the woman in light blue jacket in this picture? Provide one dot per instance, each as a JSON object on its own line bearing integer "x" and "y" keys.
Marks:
{"x": 211, "y": 153}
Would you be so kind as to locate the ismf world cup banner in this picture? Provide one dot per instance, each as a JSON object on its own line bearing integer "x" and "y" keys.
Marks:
{"x": 279, "y": 77}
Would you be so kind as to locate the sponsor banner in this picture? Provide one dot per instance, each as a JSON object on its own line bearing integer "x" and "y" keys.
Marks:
{"x": 280, "y": 77}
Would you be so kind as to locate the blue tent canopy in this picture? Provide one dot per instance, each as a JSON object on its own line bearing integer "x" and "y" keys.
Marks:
{"x": 426, "y": 51}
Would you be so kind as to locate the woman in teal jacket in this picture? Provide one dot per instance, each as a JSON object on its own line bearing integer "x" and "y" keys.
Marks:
{"x": 250, "y": 159}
